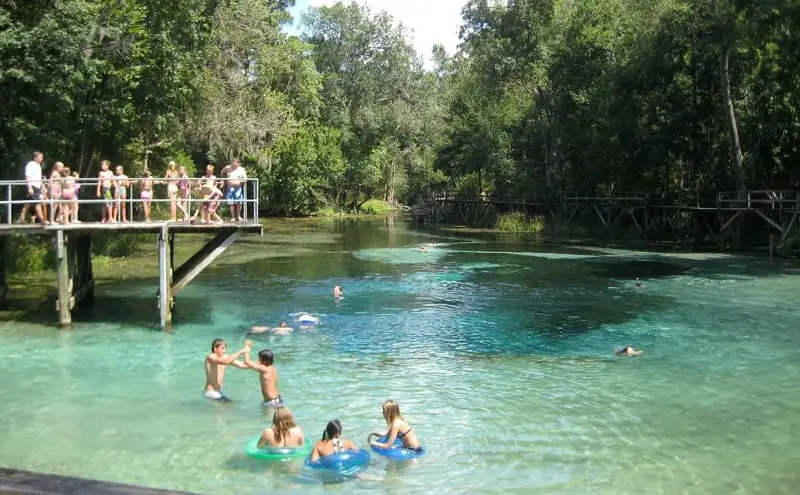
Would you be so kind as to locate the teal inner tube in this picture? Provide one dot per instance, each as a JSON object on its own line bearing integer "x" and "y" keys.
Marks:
{"x": 276, "y": 453}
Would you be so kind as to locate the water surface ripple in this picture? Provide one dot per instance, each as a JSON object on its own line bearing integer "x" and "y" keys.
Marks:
{"x": 498, "y": 352}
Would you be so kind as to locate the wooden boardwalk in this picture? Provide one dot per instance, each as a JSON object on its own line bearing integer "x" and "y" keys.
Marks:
{"x": 655, "y": 218}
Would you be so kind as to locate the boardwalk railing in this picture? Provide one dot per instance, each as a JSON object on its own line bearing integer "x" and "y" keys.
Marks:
{"x": 757, "y": 199}
{"x": 15, "y": 197}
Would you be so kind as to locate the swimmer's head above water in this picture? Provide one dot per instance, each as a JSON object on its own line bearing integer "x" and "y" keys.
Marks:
{"x": 338, "y": 291}
{"x": 282, "y": 324}
{"x": 332, "y": 430}
{"x": 628, "y": 351}
{"x": 218, "y": 347}
{"x": 266, "y": 357}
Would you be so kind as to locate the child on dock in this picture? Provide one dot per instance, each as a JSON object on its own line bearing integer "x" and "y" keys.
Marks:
{"x": 216, "y": 361}
{"x": 121, "y": 184}
{"x": 105, "y": 181}
{"x": 269, "y": 377}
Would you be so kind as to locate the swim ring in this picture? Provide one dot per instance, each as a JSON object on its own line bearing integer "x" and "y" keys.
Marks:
{"x": 252, "y": 449}
{"x": 346, "y": 462}
{"x": 307, "y": 319}
{"x": 396, "y": 452}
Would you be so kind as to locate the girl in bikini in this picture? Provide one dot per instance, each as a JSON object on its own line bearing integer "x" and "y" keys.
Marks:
{"x": 77, "y": 189}
{"x": 211, "y": 195}
{"x": 332, "y": 441}
{"x": 171, "y": 177}
{"x": 284, "y": 432}
{"x": 56, "y": 212}
{"x": 185, "y": 192}
{"x": 398, "y": 428}
{"x": 146, "y": 185}
{"x": 67, "y": 195}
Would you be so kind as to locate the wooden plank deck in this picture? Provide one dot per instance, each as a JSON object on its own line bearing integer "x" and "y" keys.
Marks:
{"x": 17, "y": 481}
{"x": 249, "y": 227}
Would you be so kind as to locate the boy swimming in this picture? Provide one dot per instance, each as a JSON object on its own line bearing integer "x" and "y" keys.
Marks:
{"x": 216, "y": 361}
{"x": 269, "y": 376}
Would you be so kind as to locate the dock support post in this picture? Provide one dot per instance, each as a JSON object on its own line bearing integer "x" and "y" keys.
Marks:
{"x": 3, "y": 283}
{"x": 64, "y": 289}
{"x": 165, "y": 277}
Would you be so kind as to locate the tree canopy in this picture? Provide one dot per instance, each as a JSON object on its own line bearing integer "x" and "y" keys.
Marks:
{"x": 673, "y": 97}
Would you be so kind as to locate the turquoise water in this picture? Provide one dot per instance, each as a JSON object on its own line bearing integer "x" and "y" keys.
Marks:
{"x": 499, "y": 353}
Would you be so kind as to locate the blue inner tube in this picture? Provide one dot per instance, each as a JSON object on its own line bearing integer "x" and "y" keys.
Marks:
{"x": 396, "y": 452}
{"x": 347, "y": 462}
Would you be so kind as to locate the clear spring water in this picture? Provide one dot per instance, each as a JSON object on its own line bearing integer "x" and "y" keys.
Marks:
{"x": 498, "y": 352}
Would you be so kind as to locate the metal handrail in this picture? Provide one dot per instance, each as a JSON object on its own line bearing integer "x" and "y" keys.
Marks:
{"x": 251, "y": 194}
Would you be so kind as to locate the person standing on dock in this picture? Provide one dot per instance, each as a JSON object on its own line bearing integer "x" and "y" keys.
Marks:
{"x": 105, "y": 181}
{"x": 236, "y": 176}
{"x": 33, "y": 182}
{"x": 216, "y": 361}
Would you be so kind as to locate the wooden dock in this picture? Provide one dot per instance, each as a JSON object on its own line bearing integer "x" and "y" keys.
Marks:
{"x": 72, "y": 243}
{"x": 18, "y": 481}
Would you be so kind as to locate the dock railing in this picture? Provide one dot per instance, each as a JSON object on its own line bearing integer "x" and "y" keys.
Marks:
{"x": 15, "y": 197}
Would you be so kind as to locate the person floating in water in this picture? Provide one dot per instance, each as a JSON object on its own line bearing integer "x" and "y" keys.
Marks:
{"x": 216, "y": 361}
{"x": 338, "y": 292}
{"x": 638, "y": 283}
{"x": 629, "y": 351}
{"x": 281, "y": 329}
{"x": 269, "y": 377}
{"x": 307, "y": 320}
{"x": 398, "y": 428}
{"x": 284, "y": 432}
{"x": 332, "y": 441}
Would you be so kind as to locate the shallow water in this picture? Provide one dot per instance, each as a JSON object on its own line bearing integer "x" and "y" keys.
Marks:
{"x": 499, "y": 353}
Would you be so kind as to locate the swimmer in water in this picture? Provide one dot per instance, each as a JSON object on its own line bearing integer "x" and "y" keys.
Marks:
{"x": 398, "y": 428}
{"x": 269, "y": 376}
{"x": 216, "y": 361}
{"x": 332, "y": 441}
{"x": 629, "y": 351}
{"x": 638, "y": 283}
{"x": 284, "y": 432}
{"x": 307, "y": 320}
{"x": 423, "y": 249}
{"x": 281, "y": 329}
{"x": 338, "y": 292}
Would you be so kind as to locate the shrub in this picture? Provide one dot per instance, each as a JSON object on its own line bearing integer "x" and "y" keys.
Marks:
{"x": 375, "y": 207}
{"x": 519, "y": 222}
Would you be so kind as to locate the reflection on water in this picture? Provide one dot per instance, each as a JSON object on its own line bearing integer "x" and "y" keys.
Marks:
{"x": 498, "y": 353}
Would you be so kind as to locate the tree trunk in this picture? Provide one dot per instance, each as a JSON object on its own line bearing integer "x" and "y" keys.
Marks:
{"x": 738, "y": 158}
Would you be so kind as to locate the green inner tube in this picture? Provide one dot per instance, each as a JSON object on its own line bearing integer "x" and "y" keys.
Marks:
{"x": 276, "y": 453}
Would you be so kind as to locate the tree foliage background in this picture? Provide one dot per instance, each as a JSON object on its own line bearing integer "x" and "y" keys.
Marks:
{"x": 678, "y": 98}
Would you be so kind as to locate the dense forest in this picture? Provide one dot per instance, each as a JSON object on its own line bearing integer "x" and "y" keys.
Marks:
{"x": 673, "y": 97}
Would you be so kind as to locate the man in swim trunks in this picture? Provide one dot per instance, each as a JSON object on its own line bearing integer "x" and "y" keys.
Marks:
{"x": 104, "y": 184}
{"x": 269, "y": 377}
{"x": 216, "y": 361}
{"x": 236, "y": 177}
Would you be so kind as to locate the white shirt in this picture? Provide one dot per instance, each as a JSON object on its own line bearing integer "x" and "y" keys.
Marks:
{"x": 33, "y": 174}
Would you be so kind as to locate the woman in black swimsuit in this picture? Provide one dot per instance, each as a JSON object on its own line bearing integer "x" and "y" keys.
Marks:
{"x": 398, "y": 428}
